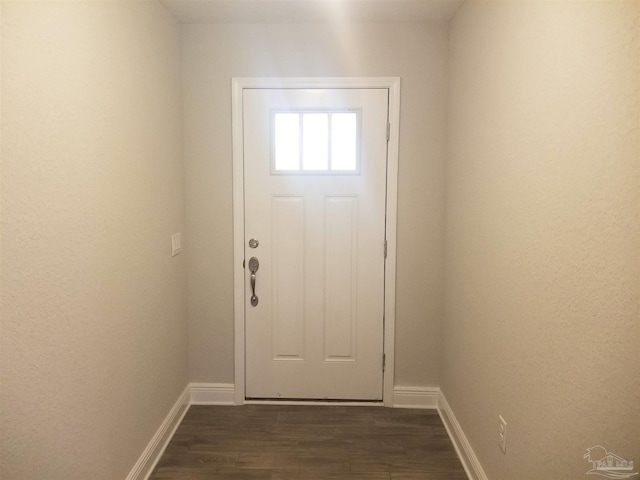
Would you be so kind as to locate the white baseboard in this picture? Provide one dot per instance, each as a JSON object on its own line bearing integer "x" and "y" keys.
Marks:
{"x": 223, "y": 394}
{"x": 154, "y": 450}
{"x": 415, "y": 397}
{"x": 212, "y": 394}
{"x": 466, "y": 454}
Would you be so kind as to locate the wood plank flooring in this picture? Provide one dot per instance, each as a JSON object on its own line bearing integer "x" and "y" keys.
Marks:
{"x": 309, "y": 443}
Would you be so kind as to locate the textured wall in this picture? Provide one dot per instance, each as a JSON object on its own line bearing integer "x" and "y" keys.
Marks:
{"x": 543, "y": 233}
{"x": 213, "y": 54}
{"x": 93, "y": 349}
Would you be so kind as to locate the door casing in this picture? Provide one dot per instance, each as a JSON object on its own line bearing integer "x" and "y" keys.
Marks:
{"x": 237, "y": 87}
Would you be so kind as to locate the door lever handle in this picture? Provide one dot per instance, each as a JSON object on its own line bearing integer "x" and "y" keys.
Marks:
{"x": 254, "y": 264}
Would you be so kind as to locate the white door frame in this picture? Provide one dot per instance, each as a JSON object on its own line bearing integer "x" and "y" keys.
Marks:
{"x": 237, "y": 86}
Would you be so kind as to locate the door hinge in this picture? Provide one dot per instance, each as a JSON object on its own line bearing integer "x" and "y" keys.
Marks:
{"x": 385, "y": 249}
{"x": 388, "y": 131}
{"x": 384, "y": 361}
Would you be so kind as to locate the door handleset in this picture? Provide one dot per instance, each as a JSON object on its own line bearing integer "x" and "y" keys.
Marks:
{"x": 254, "y": 264}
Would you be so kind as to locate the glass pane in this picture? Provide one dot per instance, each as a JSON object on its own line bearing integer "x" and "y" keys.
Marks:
{"x": 315, "y": 143}
{"x": 343, "y": 141}
{"x": 287, "y": 138}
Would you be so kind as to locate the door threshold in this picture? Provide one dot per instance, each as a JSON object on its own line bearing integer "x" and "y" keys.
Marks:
{"x": 314, "y": 402}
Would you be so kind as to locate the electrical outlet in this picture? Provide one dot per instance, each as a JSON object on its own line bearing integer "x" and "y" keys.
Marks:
{"x": 176, "y": 244}
{"x": 502, "y": 441}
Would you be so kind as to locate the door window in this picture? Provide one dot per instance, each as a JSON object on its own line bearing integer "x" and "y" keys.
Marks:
{"x": 311, "y": 142}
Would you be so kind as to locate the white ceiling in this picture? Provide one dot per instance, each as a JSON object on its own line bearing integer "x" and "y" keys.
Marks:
{"x": 281, "y": 11}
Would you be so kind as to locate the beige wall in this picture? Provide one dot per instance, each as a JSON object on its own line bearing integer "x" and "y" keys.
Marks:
{"x": 543, "y": 233}
{"x": 93, "y": 351}
{"x": 213, "y": 54}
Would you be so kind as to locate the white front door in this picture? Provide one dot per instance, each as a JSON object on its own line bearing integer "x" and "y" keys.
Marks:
{"x": 315, "y": 192}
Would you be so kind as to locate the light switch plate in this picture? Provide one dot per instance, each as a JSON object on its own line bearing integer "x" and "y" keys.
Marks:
{"x": 176, "y": 244}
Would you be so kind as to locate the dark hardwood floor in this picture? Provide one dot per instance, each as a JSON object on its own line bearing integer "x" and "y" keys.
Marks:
{"x": 309, "y": 443}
